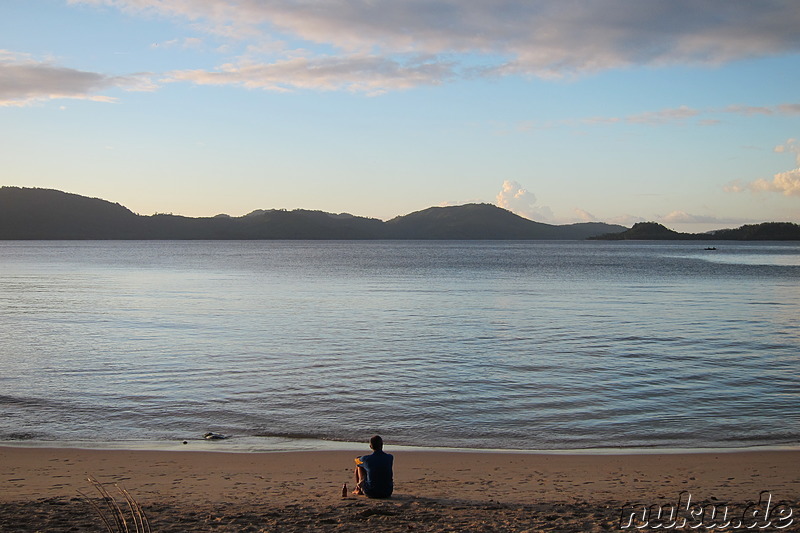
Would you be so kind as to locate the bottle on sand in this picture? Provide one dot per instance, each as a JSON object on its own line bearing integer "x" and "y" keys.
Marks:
{"x": 344, "y": 490}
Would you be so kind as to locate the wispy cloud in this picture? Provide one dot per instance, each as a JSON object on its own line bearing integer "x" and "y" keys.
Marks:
{"x": 185, "y": 43}
{"x": 689, "y": 220}
{"x": 519, "y": 37}
{"x": 682, "y": 217}
{"x": 359, "y": 73}
{"x": 685, "y": 114}
{"x": 25, "y": 81}
{"x": 626, "y": 220}
{"x": 782, "y": 109}
{"x": 664, "y": 116}
{"x": 584, "y": 216}
{"x": 786, "y": 183}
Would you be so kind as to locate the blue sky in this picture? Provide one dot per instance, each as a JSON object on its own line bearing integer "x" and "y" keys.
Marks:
{"x": 679, "y": 111}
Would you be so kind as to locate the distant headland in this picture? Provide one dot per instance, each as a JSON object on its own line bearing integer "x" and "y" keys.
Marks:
{"x": 46, "y": 214}
{"x": 652, "y": 231}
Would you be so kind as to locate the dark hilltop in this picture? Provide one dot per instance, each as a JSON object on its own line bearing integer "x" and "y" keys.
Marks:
{"x": 652, "y": 231}
{"x": 45, "y": 214}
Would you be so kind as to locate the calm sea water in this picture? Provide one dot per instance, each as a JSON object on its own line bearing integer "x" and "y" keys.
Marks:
{"x": 530, "y": 345}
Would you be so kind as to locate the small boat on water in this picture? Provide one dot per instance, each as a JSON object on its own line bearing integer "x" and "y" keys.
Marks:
{"x": 711, "y": 248}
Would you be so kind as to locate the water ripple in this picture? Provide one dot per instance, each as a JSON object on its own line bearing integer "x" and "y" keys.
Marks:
{"x": 519, "y": 345}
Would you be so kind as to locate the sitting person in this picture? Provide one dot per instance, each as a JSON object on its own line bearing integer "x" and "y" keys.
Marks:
{"x": 374, "y": 472}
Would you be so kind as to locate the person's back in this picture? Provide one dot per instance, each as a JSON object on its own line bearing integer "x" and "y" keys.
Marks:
{"x": 374, "y": 475}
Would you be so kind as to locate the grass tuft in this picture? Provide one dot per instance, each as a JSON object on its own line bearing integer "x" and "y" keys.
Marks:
{"x": 114, "y": 515}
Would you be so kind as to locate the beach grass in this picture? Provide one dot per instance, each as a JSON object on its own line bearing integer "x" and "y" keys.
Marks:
{"x": 115, "y": 515}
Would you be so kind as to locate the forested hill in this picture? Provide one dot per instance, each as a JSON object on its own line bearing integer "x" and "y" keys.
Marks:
{"x": 37, "y": 214}
{"x": 652, "y": 231}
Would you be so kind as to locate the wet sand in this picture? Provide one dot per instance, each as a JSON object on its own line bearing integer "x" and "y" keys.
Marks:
{"x": 434, "y": 490}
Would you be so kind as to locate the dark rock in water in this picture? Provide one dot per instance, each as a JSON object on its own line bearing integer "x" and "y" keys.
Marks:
{"x": 19, "y": 436}
{"x": 214, "y": 436}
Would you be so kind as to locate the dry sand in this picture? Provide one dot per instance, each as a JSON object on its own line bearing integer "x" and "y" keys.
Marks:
{"x": 434, "y": 490}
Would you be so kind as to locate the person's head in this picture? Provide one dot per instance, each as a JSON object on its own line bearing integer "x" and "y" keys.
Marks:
{"x": 376, "y": 443}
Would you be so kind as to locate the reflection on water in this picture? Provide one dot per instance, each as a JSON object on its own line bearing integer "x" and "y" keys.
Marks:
{"x": 771, "y": 254}
{"x": 756, "y": 259}
{"x": 475, "y": 344}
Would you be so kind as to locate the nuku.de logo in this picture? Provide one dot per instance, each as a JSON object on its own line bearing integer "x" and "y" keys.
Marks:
{"x": 684, "y": 514}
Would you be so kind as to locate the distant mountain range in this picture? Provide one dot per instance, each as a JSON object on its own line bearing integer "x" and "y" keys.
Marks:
{"x": 44, "y": 214}
{"x": 39, "y": 214}
{"x": 652, "y": 231}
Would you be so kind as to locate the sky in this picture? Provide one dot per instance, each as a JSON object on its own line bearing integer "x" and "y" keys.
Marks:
{"x": 682, "y": 112}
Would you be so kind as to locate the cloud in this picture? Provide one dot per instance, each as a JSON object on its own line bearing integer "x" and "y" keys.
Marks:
{"x": 24, "y": 81}
{"x": 683, "y": 217}
{"x": 626, "y": 220}
{"x": 370, "y": 74}
{"x": 791, "y": 146}
{"x": 786, "y": 183}
{"x": 664, "y": 116}
{"x": 509, "y": 37}
{"x": 585, "y": 216}
{"x": 185, "y": 43}
{"x": 781, "y": 109}
{"x": 683, "y": 113}
{"x": 522, "y": 202}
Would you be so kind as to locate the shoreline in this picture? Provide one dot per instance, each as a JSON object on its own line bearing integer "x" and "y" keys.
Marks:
{"x": 434, "y": 490}
{"x": 282, "y": 445}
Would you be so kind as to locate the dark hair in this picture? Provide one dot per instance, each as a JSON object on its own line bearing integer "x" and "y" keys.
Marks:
{"x": 376, "y": 443}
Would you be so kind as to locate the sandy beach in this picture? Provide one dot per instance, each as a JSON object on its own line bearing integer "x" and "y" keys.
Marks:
{"x": 434, "y": 490}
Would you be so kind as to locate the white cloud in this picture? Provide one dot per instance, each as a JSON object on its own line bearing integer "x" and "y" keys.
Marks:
{"x": 786, "y": 183}
{"x": 626, "y": 220}
{"x": 24, "y": 81}
{"x": 791, "y": 146}
{"x": 585, "y": 216}
{"x": 530, "y": 37}
{"x": 685, "y": 218}
{"x": 522, "y": 202}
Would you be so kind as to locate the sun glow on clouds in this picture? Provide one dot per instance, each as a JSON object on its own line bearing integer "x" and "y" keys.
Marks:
{"x": 375, "y": 46}
{"x": 25, "y": 81}
{"x": 522, "y": 202}
{"x": 486, "y": 59}
{"x": 786, "y": 183}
